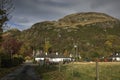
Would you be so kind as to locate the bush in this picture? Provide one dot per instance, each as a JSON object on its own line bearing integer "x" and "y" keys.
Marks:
{"x": 7, "y": 61}
{"x": 17, "y": 61}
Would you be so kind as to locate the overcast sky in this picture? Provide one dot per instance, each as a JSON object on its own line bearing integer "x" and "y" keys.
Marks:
{"x": 28, "y": 12}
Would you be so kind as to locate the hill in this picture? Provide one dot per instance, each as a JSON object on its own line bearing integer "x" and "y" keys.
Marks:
{"x": 12, "y": 32}
{"x": 94, "y": 34}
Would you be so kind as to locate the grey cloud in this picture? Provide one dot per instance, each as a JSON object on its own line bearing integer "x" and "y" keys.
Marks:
{"x": 28, "y": 12}
{"x": 22, "y": 20}
{"x": 104, "y": 3}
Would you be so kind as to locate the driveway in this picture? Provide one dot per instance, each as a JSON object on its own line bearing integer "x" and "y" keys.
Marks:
{"x": 26, "y": 72}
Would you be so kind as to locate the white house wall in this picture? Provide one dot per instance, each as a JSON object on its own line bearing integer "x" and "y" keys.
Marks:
{"x": 38, "y": 59}
{"x": 56, "y": 59}
{"x": 117, "y": 58}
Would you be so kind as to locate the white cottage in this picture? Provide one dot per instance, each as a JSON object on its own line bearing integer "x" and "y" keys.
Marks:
{"x": 52, "y": 58}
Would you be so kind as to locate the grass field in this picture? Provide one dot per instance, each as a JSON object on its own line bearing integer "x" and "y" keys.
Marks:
{"x": 80, "y": 71}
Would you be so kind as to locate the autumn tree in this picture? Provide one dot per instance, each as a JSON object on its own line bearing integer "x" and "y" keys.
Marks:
{"x": 11, "y": 45}
{"x": 47, "y": 46}
{"x": 26, "y": 49}
{"x": 66, "y": 53}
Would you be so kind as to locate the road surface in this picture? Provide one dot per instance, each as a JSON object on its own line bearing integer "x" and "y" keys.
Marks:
{"x": 26, "y": 72}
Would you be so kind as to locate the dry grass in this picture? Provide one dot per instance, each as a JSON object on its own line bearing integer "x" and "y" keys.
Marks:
{"x": 82, "y": 71}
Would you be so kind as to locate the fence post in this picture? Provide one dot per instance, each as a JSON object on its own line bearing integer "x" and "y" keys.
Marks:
{"x": 59, "y": 66}
{"x": 97, "y": 71}
{"x": 0, "y": 61}
{"x": 72, "y": 70}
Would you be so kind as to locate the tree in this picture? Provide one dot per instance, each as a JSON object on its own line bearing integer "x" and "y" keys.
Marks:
{"x": 3, "y": 18}
{"x": 6, "y": 7}
{"x": 11, "y": 45}
{"x": 26, "y": 49}
{"x": 66, "y": 53}
{"x": 47, "y": 46}
{"x": 112, "y": 43}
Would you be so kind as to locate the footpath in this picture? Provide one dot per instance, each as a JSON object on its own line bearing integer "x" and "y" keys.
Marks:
{"x": 25, "y": 72}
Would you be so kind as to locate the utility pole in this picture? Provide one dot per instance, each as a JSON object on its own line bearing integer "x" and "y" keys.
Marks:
{"x": 97, "y": 70}
{"x": 75, "y": 46}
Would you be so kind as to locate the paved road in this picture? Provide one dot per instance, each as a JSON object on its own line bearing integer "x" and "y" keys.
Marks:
{"x": 26, "y": 72}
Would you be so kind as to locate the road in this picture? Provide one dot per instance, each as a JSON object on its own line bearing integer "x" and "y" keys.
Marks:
{"x": 25, "y": 72}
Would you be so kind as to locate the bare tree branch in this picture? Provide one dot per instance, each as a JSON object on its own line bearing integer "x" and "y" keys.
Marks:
{"x": 6, "y": 7}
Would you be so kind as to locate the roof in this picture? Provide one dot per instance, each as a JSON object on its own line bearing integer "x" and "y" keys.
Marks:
{"x": 115, "y": 55}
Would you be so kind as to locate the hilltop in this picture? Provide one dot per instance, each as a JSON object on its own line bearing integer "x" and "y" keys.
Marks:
{"x": 87, "y": 18}
{"x": 82, "y": 19}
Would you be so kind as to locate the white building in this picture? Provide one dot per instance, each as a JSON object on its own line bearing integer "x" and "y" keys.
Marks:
{"x": 115, "y": 57}
{"x": 52, "y": 58}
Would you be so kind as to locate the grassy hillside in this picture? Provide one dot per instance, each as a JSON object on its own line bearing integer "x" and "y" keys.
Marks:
{"x": 95, "y": 34}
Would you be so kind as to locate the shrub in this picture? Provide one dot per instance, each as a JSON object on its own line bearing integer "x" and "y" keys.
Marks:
{"x": 7, "y": 61}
